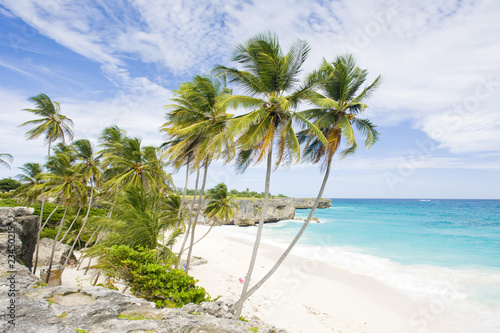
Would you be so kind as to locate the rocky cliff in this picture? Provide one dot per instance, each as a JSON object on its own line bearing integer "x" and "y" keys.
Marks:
{"x": 34, "y": 309}
{"x": 18, "y": 230}
{"x": 279, "y": 209}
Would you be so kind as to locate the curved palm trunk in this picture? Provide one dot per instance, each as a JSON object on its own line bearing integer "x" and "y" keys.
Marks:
{"x": 198, "y": 211}
{"x": 86, "y": 245}
{"x": 71, "y": 226}
{"x": 211, "y": 226}
{"x": 297, "y": 237}
{"x": 243, "y": 297}
{"x": 39, "y": 233}
{"x": 190, "y": 219}
{"x": 54, "y": 246}
{"x": 182, "y": 201}
{"x": 81, "y": 229}
{"x": 98, "y": 239}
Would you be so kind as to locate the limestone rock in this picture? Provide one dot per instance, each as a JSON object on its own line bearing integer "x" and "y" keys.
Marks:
{"x": 23, "y": 227}
{"x": 45, "y": 251}
{"x": 307, "y": 203}
{"x": 279, "y": 209}
{"x": 98, "y": 310}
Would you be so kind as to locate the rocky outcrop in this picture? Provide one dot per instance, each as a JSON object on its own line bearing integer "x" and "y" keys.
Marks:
{"x": 45, "y": 250}
{"x": 97, "y": 309}
{"x": 307, "y": 203}
{"x": 19, "y": 228}
{"x": 250, "y": 209}
{"x": 279, "y": 209}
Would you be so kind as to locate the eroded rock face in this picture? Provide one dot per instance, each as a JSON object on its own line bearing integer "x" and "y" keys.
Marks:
{"x": 96, "y": 309}
{"x": 45, "y": 251}
{"x": 23, "y": 226}
{"x": 279, "y": 209}
{"x": 307, "y": 203}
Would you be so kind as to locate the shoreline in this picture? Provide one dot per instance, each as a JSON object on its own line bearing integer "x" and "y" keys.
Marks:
{"x": 303, "y": 296}
{"x": 307, "y": 295}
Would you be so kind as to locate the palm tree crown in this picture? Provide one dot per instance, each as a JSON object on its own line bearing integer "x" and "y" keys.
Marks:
{"x": 52, "y": 124}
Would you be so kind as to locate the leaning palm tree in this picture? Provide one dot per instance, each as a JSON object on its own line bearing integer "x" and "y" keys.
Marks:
{"x": 220, "y": 207}
{"x": 202, "y": 119}
{"x": 141, "y": 214}
{"x": 271, "y": 79}
{"x": 6, "y": 159}
{"x": 51, "y": 124}
{"x": 337, "y": 116}
{"x": 89, "y": 167}
{"x": 30, "y": 177}
{"x": 197, "y": 123}
{"x": 131, "y": 164}
{"x": 66, "y": 183}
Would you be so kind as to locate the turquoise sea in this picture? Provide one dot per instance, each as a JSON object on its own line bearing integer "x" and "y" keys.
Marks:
{"x": 426, "y": 249}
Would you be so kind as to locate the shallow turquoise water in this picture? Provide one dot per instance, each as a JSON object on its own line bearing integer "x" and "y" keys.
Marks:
{"x": 450, "y": 233}
{"x": 446, "y": 250}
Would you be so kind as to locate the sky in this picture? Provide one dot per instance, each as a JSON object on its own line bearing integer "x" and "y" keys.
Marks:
{"x": 117, "y": 62}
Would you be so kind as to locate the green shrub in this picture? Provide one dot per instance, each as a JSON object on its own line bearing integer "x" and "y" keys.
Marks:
{"x": 7, "y": 202}
{"x": 48, "y": 233}
{"x": 151, "y": 277}
{"x": 8, "y": 184}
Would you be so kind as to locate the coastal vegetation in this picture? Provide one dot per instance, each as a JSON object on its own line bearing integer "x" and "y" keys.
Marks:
{"x": 116, "y": 202}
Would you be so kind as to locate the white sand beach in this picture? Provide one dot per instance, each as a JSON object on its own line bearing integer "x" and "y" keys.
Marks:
{"x": 304, "y": 295}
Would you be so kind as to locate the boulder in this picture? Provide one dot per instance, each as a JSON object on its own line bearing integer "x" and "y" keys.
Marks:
{"x": 45, "y": 250}
{"x": 22, "y": 226}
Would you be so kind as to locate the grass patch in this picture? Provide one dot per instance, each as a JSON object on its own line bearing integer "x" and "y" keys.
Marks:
{"x": 132, "y": 317}
{"x": 63, "y": 315}
{"x": 253, "y": 329}
{"x": 195, "y": 313}
{"x": 243, "y": 319}
{"x": 40, "y": 284}
{"x": 79, "y": 330}
{"x": 50, "y": 300}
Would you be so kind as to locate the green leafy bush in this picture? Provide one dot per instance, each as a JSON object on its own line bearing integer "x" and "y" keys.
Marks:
{"x": 9, "y": 202}
{"x": 150, "y": 276}
{"x": 8, "y": 184}
{"x": 48, "y": 233}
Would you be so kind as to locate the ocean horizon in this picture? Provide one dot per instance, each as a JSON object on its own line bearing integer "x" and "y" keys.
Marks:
{"x": 442, "y": 252}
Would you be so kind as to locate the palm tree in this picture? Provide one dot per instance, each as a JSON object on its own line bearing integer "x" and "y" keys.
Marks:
{"x": 271, "y": 79}
{"x": 6, "y": 159}
{"x": 141, "y": 215}
{"x": 52, "y": 124}
{"x": 339, "y": 106}
{"x": 219, "y": 207}
{"x": 65, "y": 182}
{"x": 130, "y": 164}
{"x": 30, "y": 179}
{"x": 89, "y": 168}
{"x": 197, "y": 123}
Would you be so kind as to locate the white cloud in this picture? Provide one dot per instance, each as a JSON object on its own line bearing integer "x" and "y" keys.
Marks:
{"x": 432, "y": 56}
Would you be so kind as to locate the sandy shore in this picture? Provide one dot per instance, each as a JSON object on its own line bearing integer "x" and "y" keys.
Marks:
{"x": 304, "y": 295}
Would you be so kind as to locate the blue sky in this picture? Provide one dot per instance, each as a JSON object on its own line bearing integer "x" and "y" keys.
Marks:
{"x": 116, "y": 62}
